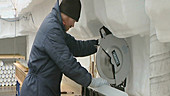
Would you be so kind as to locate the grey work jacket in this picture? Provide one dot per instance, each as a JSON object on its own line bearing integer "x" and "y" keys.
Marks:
{"x": 52, "y": 55}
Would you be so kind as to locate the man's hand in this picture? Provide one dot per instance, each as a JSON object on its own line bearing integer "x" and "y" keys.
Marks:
{"x": 99, "y": 41}
{"x": 97, "y": 82}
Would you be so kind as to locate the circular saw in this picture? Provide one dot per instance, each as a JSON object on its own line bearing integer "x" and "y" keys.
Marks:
{"x": 113, "y": 59}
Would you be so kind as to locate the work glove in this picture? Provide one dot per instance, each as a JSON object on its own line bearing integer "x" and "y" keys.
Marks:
{"x": 97, "y": 82}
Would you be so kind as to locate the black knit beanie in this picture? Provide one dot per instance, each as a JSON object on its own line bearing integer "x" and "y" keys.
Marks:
{"x": 71, "y": 8}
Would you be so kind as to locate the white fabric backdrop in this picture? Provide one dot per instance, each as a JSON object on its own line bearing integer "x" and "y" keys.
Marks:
{"x": 159, "y": 13}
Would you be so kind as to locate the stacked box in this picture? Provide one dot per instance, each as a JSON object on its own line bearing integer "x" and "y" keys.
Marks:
{"x": 7, "y": 73}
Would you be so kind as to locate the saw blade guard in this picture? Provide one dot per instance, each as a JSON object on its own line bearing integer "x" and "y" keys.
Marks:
{"x": 113, "y": 58}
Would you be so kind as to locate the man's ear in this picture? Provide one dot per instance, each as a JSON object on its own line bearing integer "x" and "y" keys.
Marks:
{"x": 64, "y": 23}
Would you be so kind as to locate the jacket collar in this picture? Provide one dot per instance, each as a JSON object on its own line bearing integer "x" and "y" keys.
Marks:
{"x": 57, "y": 13}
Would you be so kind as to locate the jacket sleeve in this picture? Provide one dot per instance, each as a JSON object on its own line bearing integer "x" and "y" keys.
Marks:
{"x": 81, "y": 48}
{"x": 56, "y": 48}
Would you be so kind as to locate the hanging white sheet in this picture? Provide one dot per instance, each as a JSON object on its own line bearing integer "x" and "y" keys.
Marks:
{"x": 159, "y": 13}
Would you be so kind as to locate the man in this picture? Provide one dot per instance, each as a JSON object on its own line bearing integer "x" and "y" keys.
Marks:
{"x": 53, "y": 53}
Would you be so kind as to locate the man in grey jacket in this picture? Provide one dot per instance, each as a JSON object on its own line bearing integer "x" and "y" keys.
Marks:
{"x": 53, "y": 53}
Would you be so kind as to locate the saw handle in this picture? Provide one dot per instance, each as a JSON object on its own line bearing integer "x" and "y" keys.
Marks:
{"x": 107, "y": 32}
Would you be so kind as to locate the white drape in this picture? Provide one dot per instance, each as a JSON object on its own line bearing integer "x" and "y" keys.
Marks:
{"x": 159, "y": 14}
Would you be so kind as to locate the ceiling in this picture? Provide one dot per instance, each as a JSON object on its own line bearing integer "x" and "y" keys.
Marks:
{"x": 7, "y": 7}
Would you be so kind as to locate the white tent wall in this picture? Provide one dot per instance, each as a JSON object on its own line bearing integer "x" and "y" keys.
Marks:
{"x": 88, "y": 25}
{"x": 38, "y": 10}
{"x": 159, "y": 66}
{"x": 7, "y": 29}
{"x": 5, "y": 9}
{"x": 120, "y": 16}
{"x": 23, "y": 25}
{"x": 124, "y": 18}
{"x": 159, "y": 14}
